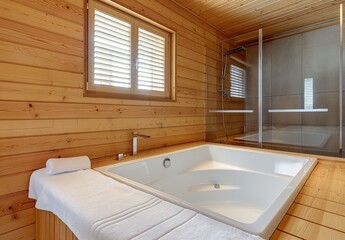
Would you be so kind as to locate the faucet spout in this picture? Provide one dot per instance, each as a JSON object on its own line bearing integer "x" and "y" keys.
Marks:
{"x": 135, "y": 141}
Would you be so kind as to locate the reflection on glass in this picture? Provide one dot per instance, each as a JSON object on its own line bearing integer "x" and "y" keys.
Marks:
{"x": 237, "y": 82}
{"x": 308, "y": 93}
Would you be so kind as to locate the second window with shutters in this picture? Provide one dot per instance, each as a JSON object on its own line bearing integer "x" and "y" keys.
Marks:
{"x": 128, "y": 57}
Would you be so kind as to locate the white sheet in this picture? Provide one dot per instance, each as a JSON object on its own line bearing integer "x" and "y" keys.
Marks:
{"x": 97, "y": 207}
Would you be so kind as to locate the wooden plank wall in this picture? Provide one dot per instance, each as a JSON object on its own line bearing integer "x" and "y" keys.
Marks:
{"x": 44, "y": 114}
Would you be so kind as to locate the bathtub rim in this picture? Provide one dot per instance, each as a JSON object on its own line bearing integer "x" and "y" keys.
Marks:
{"x": 137, "y": 158}
{"x": 263, "y": 228}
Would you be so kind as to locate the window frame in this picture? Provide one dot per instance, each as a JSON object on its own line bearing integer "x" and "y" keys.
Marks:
{"x": 137, "y": 21}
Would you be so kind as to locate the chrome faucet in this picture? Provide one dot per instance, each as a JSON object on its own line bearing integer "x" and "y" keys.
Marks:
{"x": 135, "y": 141}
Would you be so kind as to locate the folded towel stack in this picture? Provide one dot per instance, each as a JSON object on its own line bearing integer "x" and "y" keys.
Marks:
{"x": 61, "y": 165}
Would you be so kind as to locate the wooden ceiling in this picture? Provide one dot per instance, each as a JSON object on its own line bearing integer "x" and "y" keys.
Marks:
{"x": 245, "y": 17}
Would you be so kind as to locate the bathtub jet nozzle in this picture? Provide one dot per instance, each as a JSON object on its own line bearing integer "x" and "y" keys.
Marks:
{"x": 216, "y": 186}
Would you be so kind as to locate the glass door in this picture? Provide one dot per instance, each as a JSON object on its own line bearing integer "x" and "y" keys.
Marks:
{"x": 235, "y": 106}
{"x": 285, "y": 93}
{"x": 302, "y": 82}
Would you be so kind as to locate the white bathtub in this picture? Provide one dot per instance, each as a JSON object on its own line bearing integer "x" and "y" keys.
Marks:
{"x": 248, "y": 189}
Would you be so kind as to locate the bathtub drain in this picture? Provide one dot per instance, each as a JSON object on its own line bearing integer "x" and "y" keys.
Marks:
{"x": 166, "y": 162}
{"x": 216, "y": 185}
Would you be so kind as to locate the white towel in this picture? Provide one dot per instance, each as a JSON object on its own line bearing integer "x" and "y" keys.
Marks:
{"x": 60, "y": 165}
{"x": 96, "y": 207}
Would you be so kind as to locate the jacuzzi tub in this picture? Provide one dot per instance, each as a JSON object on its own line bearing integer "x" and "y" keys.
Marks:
{"x": 248, "y": 189}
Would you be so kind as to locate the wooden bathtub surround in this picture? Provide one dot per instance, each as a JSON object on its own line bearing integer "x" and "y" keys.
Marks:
{"x": 50, "y": 227}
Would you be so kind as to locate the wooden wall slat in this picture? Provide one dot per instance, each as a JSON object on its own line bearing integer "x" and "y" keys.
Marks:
{"x": 188, "y": 63}
{"x": 172, "y": 20}
{"x": 188, "y": 83}
{"x": 39, "y": 110}
{"x": 30, "y": 36}
{"x": 18, "y": 128}
{"x": 191, "y": 74}
{"x": 17, "y": 220}
{"x": 15, "y": 202}
{"x": 61, "y": 9}
{"x": 19, "y": 13}
{"x": 31, "y": 56}
{"x": 78, "y": 3}
{"x": 197, "y": 21}
{"x": 25, "y": 74}
{"x": 191, "y": 93}
{"x": 180, "y": 20}
{"x": 190, "y": 54}
{"x": 32, "y": 161}
{"x": 38, "y": 93}
{"x": 26, "y": 232}
{"x": 14, "y": 183}
{"x": 11, "y": 165}
{"x": 14, "y": 146}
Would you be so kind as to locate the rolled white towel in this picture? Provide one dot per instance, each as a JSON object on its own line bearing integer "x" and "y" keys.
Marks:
{"x": 60, "y": 165}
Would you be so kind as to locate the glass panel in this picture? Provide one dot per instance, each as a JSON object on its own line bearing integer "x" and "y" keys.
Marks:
{"x": 251, "y": 125}
{"x": 301, "y": 86}
{"x": 283, "y": 89}
{"x": 300, "y": 92}
{"x": 232, "y": 98}
{"x": 321, "y": 63}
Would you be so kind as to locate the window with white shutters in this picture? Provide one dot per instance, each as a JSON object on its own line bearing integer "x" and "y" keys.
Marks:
{"x": 112, "y": 51}
{"x": 151, "y": 61}
{"x": 237, "y": 82}
{"x": 128, "y": 56}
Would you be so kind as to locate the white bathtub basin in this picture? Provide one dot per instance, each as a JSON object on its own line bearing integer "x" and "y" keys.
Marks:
{"x": 248, "y": 189}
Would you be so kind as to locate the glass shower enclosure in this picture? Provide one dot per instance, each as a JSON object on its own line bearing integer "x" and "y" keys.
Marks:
{"x": 280, "y": 92}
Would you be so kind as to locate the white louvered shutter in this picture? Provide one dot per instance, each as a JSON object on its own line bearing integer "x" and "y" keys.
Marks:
{"x": 237, "y": 82}
{"x": 112, "y": 51}
{"x": 151, "y": 61}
